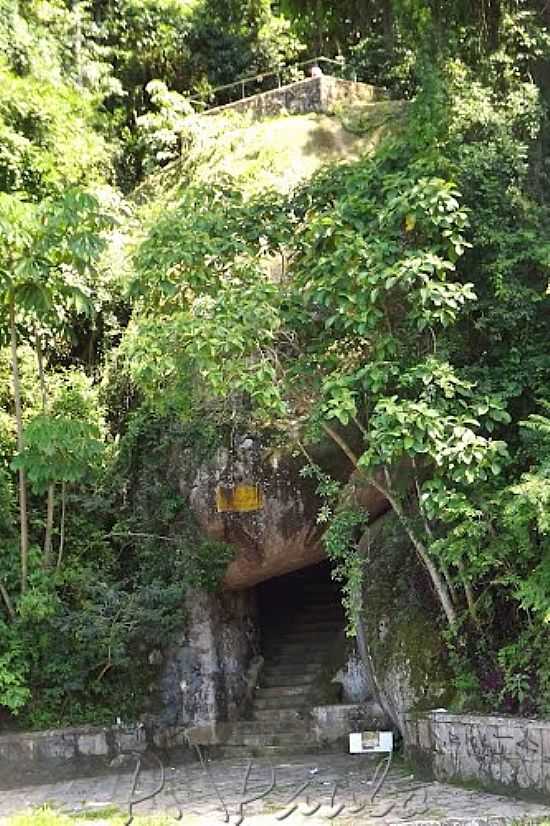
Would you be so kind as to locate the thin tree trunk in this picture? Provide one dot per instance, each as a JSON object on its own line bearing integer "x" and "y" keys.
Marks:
{"x": 23, "y": 506}
{"x": 7, "y": 601}
{"x": 387, "y": 27}
{"x": 50, "y": 506}
{"x": 469, "y": 595}
{"x": 77, "y": 43}
{"x": 342, "y": 444}
{"x": 62, "y": 526}
{"x": 429, "y": 533}
{"x": 437, "y": 581}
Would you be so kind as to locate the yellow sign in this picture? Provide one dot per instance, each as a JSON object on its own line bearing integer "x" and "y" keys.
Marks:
{"x": 239, "y": 499}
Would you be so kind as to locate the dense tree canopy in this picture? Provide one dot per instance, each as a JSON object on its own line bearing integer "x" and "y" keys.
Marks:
{"x": 396, "y": 305}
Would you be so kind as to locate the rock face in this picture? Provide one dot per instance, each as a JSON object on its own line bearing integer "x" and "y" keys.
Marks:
{"x": 208, "y": 674}
{"x": 355, "y": 680}
{"x": 283, "y": 535}
{"x": 400, "y": 637}
{"x": 208, "y": 671}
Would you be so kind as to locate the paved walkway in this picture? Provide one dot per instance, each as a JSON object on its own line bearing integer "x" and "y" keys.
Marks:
{"x": 337, "y": 785}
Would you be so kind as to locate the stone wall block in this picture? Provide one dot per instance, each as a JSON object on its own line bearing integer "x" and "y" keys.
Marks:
{"x": 410, "y": 730}
{"x": 318, "y": 94}
{"x": 544, "y": 734}
{"x": 506, "y": 752}
{"x": 424, "y": 734}
{"x": 130, "y": 740}
{"x": 55, "y": 747}
{"x": 92, "y": 745}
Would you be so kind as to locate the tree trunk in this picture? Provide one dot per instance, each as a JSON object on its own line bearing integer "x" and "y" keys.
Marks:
{"x": 50, "y": 507}
{"x": 429, "y": 533}
{"x": 387, "y": 27}
{"x": 62, "y": 526}
{"x": 469, "y": 594}
{"x": 7, "y": 601}
{"x": 47, "y": 554}
{"x": 438, "y": 582}
{"x": 77, "y": 43}
{"x": 23, "y": 506}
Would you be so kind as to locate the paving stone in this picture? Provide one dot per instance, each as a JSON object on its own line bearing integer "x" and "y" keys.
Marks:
{"x": 189, "y": 789}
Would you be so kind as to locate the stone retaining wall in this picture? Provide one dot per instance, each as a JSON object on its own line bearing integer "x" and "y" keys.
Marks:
{"x": 315, "y": 94}
{"x": 29, "y": 749}
{"x": 498, "y": 753}
{"x": 333, "y": 724}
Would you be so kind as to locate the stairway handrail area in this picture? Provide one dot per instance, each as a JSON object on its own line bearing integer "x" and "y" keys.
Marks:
{"x": 241, "y": 83}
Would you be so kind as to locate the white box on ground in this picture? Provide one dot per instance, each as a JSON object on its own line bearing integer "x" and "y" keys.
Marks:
{"x": 369, "y": 742}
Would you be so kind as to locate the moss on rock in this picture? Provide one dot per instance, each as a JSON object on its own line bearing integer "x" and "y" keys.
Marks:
{"x": 401, "y": 625}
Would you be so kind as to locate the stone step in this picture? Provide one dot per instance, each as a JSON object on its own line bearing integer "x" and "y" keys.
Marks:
{"x": 305, "y": 637}
{"x": 276, "y": 679}
{"x": 305, "y": 668}
{"x": 319, "y": 602}
{"x": 294, "y": 660}
{"x": 278, "y": 702}
{"x": 263, "y": 739}
{"x": 321, "y": 610}
{"x": 313, "y": 653}
{"x": 302, "y": 637}
{"x": 276, "y": 754}
{"x": 281, "y": 691}
{"x": 317, "y": 593}
{"x": 269, "y": 726}
{"x": 296, "y": 651}
{"x": 279, "y": 716}
{"x": 317, "y": 623}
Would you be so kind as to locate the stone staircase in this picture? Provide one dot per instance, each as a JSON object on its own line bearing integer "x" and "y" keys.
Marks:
{"x": 294, "y": 652}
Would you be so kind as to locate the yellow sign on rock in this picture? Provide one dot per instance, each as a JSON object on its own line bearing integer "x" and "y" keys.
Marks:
{"x": 239, "y": 499}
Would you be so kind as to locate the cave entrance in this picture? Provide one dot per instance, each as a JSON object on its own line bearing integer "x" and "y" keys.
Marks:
{"x": 308, "y": 690}
{"x": 302, "y": 642}
{"x": 284, "y": 600}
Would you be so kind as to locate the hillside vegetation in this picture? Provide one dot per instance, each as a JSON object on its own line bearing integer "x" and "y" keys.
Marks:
{"x": 378, "y": 279}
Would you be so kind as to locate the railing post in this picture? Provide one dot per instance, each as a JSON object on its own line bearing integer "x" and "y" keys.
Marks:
{"x": 242, "y": 89}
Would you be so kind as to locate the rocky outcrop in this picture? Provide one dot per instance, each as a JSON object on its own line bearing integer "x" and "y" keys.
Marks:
{"x": 281, "y": 536}
{"x": 209, "y": 670}
{"x": 400, "y": 635}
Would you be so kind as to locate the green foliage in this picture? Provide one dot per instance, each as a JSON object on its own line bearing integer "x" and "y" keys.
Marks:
{"x": 47, "y": 137}
{"x": 397, "y": 305}
{"x": 414, "y": 295}
{"x": 48, "y": 129}
{"x": 58, "y": 450}
{"x": 188, "y": 48}
{"x": 155, "y": 527}
{"x": 14, "y": 690}
{"x": 344, "y": 526}
{"x": 348, "y": 566}
{"x": 47, "y": 252}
